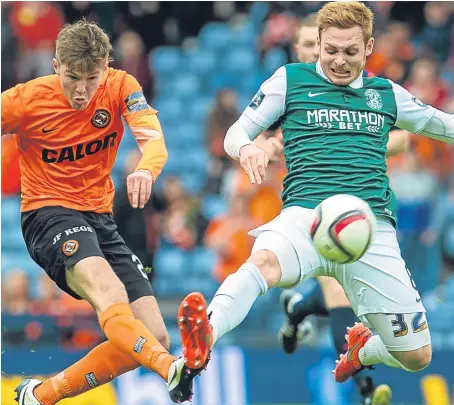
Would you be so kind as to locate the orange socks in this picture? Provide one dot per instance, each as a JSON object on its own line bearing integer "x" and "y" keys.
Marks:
{"x": 130, "y": 344}
{"x": 104, "y": 363}
{"x": 132, "y": 337}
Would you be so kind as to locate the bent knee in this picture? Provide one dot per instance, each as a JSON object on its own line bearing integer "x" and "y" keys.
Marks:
{"x": 416, "y": 360}
{"x": 266, "y": 261}
{"x": 277, "y": 260}
{"x": 94, "y": 280}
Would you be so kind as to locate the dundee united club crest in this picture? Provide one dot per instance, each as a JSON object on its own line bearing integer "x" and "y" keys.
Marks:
{"x": 101, "y": 119}
{"x": 70, "y": 247}
{"x": 373, "y": 99}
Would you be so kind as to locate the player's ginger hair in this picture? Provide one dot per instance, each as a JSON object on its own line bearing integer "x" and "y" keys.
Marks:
{"x": 346, "y": 14}
{"x": 82, "y": 46}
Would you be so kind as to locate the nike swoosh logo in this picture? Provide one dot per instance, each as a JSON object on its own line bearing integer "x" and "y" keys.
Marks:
{"x": 178, "y": 367}
{"x": 46, "y": 131}
{"x": 173, "y": 377}
{"x": 310, "y": 94}
{"x": 350, "y": 351}
{"x": 418, "y": 299}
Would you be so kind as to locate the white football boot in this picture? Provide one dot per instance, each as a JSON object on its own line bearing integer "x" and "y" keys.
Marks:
{"x": 25, "y": 394}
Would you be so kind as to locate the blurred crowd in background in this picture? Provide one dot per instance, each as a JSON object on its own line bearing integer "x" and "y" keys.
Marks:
{"x": 200, "y": 63}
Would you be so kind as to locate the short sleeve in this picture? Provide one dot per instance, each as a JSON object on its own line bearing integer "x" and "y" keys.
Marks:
{"x": 12, "y": 112}
{"x": 268, "y": 105}
{"x": 133, "y": 103}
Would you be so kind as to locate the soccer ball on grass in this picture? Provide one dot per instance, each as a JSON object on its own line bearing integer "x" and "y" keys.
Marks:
{"x": 343, "y": 228}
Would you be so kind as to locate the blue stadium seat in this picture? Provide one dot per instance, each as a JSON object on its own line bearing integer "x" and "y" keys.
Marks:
{"x": 202, "y": 261}
{"x": 171, "y": 130}
{"x": 10, "y": 212}
{"x": 250, "y": 83}
{"x": 163, "y": 86}
{"x": 193, "y": 183}
{"x": 244, "y": 100}
{"x": 169, "y": 262}
{"x": 169, "y": 108}
{"x": 190, "y": 136}
{"x": 206, "y": 285}
{"x": 201, "y": 61}
{"x": 221, "y": 81}
{"x": 215, "y": 36}
{"x": 165, "y": 59}
{"x": 274, "y": 59}
{"x": 12, "y": 240}
{"x": 175, "y": 164}
{"x": 168, "y": 286}
{"x": 185, "y": 86}
{"x": 128, "y": 141}
{"x": 197, "y": 159}
{"x": 118, "y": 180}
{"x": 171, "y": 137}
{"x": 241, "y": 59}
{"x": 200, "y": 108}
{"x": 244, "y": 34}
{"x": 258, "y": 12}
{"x": 214, "y": 205}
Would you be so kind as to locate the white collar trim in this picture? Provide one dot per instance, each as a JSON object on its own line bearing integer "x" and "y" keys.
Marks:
{"x": 356, "y": 84}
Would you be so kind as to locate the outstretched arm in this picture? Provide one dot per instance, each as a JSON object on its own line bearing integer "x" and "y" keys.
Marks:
{"x": 145, "y": 126}
{"x": 419, "y": 118}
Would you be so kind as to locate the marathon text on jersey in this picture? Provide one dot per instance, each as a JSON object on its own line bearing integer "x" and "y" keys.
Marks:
{"x": 73, "y": 153}
{"x": 345, "y": 119}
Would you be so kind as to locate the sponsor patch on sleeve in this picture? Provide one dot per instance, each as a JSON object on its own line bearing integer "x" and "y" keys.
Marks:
{"x": 257, "y": 100}
{"x": 136, "y": 102}
{"x": 419, "y": 102}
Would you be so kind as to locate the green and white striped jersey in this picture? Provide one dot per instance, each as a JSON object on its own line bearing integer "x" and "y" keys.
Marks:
{"x": 335, "y": 137}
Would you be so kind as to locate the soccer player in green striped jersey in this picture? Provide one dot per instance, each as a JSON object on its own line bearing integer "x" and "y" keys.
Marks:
{"x": 328, "y": 297}
{"x": 335, "y": 126}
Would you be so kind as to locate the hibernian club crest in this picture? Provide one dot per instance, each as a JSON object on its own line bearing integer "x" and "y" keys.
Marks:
{"x": 373, "y": 99}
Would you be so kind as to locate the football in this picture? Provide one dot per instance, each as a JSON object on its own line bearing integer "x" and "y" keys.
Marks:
{"x": 343, "y": 228}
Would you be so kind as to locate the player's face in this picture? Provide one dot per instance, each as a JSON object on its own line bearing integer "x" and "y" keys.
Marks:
{"x": 306, "y": 48}
{"x": 343, "y": 54}
{"x": 79, "y": 87}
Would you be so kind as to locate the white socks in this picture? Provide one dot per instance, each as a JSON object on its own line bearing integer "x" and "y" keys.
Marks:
{"x": 234, "y": 298}
{"x": 374, "y": 352}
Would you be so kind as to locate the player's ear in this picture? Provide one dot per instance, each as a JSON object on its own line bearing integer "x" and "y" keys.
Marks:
{"x": 295, "y": 48}
{"x": 55, "y": 66}
{"x": 370, "y": 46}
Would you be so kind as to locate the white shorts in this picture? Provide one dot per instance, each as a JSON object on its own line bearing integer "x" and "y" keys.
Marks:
{"x": 377, "y": 283}
{"x": 400, "y": 332}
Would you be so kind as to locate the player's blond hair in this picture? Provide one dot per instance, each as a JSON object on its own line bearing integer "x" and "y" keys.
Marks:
{"x": 82, "y": 46}
{"x": 308, "y": 21}
{"x": 346, "y": 14}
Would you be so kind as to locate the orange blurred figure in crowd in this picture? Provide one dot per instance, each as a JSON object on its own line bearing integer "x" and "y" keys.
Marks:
{"x": 228, "y": 236}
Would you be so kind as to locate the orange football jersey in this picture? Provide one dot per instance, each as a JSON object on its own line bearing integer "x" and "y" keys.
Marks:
{"x": 67, "y": 155}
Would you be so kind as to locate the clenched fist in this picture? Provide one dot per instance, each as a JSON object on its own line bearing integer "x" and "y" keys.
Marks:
{"x": 254, "y": 161}
{"x": 139, "y": 185}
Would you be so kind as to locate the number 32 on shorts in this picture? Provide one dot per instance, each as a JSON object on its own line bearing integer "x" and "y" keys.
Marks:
{"x": 139, "y": 265}
{"x": 418, "y": 324}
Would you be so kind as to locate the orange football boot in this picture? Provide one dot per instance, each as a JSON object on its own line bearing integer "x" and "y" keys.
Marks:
{"x": 196, "y": 331}
{"x": 348, "y": 364}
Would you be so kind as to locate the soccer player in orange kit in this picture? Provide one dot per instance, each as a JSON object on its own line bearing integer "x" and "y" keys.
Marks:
{"x": 69, "y": 127}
